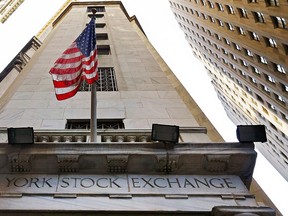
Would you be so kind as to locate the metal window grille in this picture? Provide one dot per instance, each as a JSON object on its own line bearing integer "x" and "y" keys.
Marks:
{"x": 101, "y": 124}
{"x": 106, "y": 81}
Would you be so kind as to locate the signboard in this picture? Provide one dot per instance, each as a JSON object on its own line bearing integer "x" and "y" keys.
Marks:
{"x": 121, "y": 184}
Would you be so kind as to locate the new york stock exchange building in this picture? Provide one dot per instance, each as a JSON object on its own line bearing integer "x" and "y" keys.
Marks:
{"x": 155, "y": 152}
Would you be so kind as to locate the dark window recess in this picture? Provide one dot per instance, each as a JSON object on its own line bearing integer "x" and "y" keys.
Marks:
{"x": 102, "y": 36}
{"x": 98, "y": 9}
{"x": 97, "y": 15}
{"x": 103, "y": 49}
{"x": 101, "y": 124}
{"x": 106, "y": 81}
{"x": 100, "y": 25}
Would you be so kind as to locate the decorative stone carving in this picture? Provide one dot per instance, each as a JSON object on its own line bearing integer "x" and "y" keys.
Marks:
{"x": 44, "y": 138}
{"x": 131, "y": 138}
{"x": 216, "y": 163}
{"x": 68, "y": 163}
{"x": 117, "y": 164}
{"x": 143, "y": 138}
{"x": 79, "y": 138}
{"x": 107, "y": 138}
{"x": 67, "y": 138}
{"x": 56, "y": 138}
{"x": 120, "y": 138}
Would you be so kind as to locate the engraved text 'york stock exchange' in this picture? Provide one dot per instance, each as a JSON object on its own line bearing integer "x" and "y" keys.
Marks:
{"x": 120, "y": 184}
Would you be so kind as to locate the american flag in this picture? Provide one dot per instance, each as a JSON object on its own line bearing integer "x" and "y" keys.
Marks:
{"x": 78, "y": 62}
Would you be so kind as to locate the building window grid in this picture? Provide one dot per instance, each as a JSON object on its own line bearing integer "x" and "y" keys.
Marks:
{"x": 106, "y": 81}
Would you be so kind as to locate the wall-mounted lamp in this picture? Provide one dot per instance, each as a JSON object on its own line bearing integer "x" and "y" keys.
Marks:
{"x": 20, "y": 135}
{"x": 251, "y": 133}
{"x": 165, "y": 133}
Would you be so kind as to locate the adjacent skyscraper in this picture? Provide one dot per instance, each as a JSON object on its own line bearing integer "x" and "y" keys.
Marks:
{"x": 7, "y": 8}
{"x": 244, "y": 47}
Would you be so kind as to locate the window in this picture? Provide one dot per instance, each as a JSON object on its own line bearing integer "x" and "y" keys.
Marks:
{"x": 271, "y": 79}
{"x": 284, "y": 87}
{"x": 255, "y": 70}
{"x": 106, "y": 81}
{"x": 100, "y": 25}
{"x": 279, "y": 22}
{"x": 230, "y": 9}
{"x": 272, "y": 2}
{"x": 220, "y": 7}
{"x": 230, "y": 27}
{"x": 102, "y": 36}
{"x": 211, "y": 4}
{"x": 243, "y": 13}
{"x": 220, "y": 23}
{"x": 280, "y": 69}
{"x": 234, "y": 57}
{"x": 101, "y": 124}
{"x": 259, "y": 17}
{"x": 263, "y": 60}
{"x": 217, "y": 37}
{"x": 266, "y": 89}
{"x": 271, "y": 42}
{"x": 254, "y": 36}
{"x": 103, "y": 49}
{"x": 97, "y": 15}
{"x": 212, "y": 19}
{"x": 280, "y": 98}
{"x": 241, "y": 31}
{"x": 227, "y": 41}
{"x": 249, "y": 53}
{"x": 97, "y": 8}
{"x": 244, "y": 63}
{"x": 253, "y": 80}
{"x": 237, "y": 47}
{"x": 252, "y": 1}
{"x": 272, "y": 107}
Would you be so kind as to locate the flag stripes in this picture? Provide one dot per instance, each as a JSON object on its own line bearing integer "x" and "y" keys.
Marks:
{"x": 78, "y": 62}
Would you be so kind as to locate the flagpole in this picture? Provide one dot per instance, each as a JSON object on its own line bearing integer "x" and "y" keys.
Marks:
{"x": 93, "y": 120}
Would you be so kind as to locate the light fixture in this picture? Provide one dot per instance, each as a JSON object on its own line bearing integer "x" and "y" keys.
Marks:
{"x": 251, "y": 133}
{"x": 165, "y": 133}
{"x": 20, "y": 135}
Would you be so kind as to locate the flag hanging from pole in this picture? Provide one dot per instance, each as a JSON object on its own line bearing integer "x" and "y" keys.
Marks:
{"x": 78, "y": 62}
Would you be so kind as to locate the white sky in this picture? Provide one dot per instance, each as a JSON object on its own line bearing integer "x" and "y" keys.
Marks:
{"x": 164, "y": 33}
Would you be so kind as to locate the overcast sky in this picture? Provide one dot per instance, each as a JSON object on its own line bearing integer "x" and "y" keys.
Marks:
{"x": 164, "y": 33}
